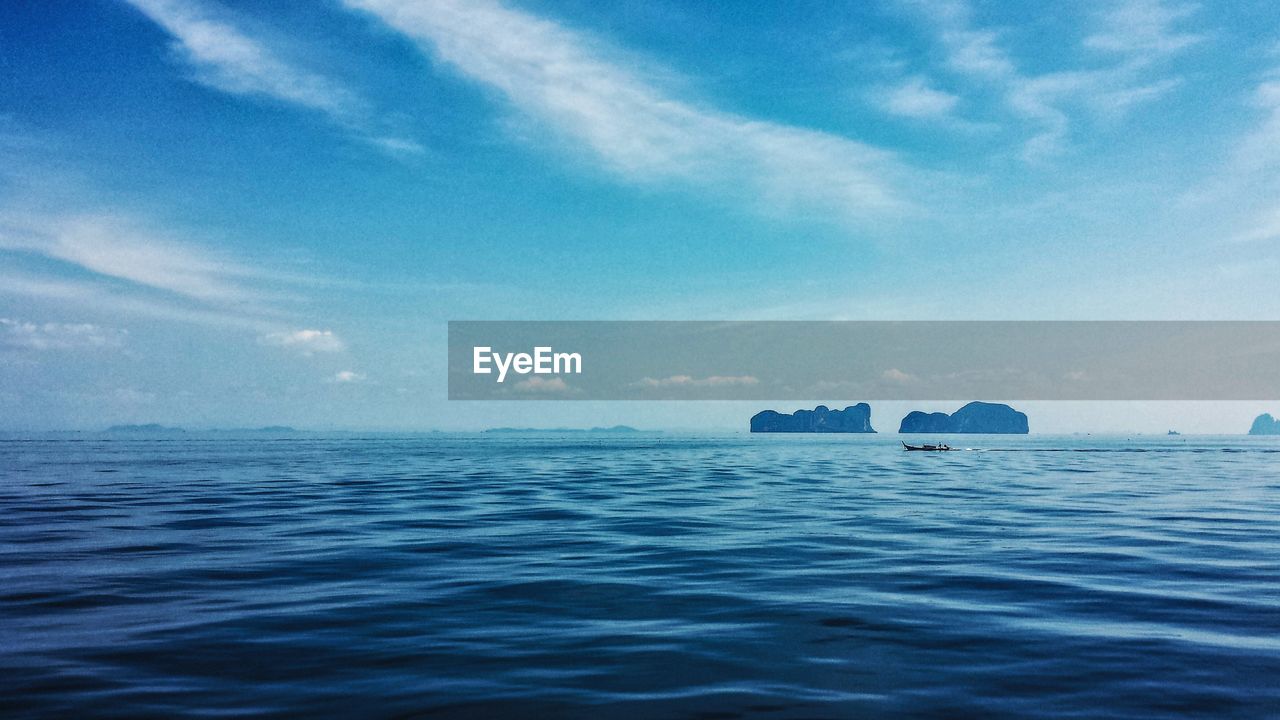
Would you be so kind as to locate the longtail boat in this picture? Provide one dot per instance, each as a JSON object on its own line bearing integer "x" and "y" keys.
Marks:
{"x": 934, "y": 448}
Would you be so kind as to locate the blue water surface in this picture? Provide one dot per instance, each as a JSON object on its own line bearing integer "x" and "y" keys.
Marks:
{"x": 649, "y": 576}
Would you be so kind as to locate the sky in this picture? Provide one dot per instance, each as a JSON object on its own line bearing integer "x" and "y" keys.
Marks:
{"x": 229, "y": 214}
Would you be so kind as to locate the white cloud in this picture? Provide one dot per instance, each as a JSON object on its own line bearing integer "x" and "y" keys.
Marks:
{"x": 94, "y": 297}
{"x": 542, "y": 385}
{"x": 1266, "y": 226}
{"x": 1119, "y": 101}
{"x": 228, "y": 59}
{"x": 305, "y": 341}
{"x": 690, "y": 381}
{"x": 1260, "y": 149}
{"x": 895, "y": 375}
{"x": 915, "y": 98}
{"x": 62, "y": 251}
{"x": 131, "y": 266}
{"x": 609, "y": 112}
{"x": 347, "y": 376}
{"x": 976, "y": 52}
{"x": 1252, "y": 169}
{"x": 129, "y": 269}
{"x": 1247, "y": 180}
{"x": 118, "y": 247}
{"x": 1044, "y": 101}
{"x": 58, "y": 336}
{"x": 1144, "y": 27}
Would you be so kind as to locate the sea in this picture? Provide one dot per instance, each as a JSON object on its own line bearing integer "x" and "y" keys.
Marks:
{"x": 648, "y": 576}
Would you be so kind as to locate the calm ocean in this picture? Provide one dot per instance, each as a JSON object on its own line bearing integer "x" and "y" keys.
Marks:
{"x": 649, "y": 576}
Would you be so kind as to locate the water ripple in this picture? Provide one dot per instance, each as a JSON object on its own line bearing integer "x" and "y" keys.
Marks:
{"x": 705, "y": 577}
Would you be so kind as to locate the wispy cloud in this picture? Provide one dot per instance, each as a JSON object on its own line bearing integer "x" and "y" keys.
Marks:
{"x": 1264, "y": 226}
{"x": 347, "y": 376}
{"x": 120, "y": 247}
{"x": 894, "y": 375}
{"x": 1144, "y": 27}
{"x": 608, "y": 112}
{"x": 227, "y": 58}
{"x": 58, "y": 336}
{"x": 916, "y": 98}
{"x": 1260, "y": 148}
{"x": 1046, "y": 101}
{"x": 96, "y": 297}
{"x": 1251, "y": 170}
{"x": 307, "y": 342}
{"x": 113, "y": 262}
{"x": 65, "y": 248}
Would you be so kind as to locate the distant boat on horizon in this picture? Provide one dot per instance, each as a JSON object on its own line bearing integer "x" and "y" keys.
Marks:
{"x": 933, "y": 448}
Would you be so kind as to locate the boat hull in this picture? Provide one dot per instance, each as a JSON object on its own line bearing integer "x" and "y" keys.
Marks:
{"x": 926, "y": 448}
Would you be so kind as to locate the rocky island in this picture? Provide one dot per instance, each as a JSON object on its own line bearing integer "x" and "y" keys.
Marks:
{"x": 1264, "y": 424}
{"x": 853, "y": 419}
{"x": 976, "y": 417}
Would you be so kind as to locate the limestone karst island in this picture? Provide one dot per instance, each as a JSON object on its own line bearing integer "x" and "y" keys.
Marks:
{"x": 1264, "y": 424}
{"x": 976, "y": 417}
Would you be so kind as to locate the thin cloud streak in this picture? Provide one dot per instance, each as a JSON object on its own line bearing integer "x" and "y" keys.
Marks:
{"x": 118, "y": 247}
{"x": 1144, "y": 27}
{"x": 96, "y": 298}
{"x": 1044, "y": 101}
{"x": 916, "y": 98}
{"x": 1251, "y": 168}
{"x": 306, "y": 341}
{"x": 227, "y": 59}
{"x": 565, "y": 81}
{"x": 1260, "y": 149}
{"x": 27, "y": 335}
{"x": 131, "y": 267}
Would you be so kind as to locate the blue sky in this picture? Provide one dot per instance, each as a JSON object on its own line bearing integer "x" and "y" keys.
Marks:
{"x": 228, "y": 214}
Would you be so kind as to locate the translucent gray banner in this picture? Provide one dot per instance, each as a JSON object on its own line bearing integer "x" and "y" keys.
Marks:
{"x": 926, "y": 360}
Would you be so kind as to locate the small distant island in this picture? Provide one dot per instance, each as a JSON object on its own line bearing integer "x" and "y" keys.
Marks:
{"x": 158, "y": 429}
{"x": 976, "y": 417}
{"x": 147, "y": 429}
{"x": 614, "y": 429}
{"x": 1264, "y": 424}
{"x": 853, "y": 419}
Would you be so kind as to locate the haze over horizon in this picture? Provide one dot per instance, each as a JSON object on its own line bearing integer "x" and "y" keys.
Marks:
{"x": 232, "y": 214}
{"x": 1046, "y": 418}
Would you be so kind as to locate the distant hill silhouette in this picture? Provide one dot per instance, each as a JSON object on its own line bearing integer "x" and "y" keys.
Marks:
{"x": 853, "y": 419}
{"x": 976, "y": 417}
{"x": 147, "y": 429}
{"x": 615, "y": 429}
